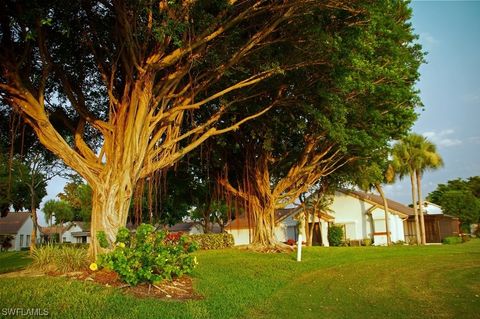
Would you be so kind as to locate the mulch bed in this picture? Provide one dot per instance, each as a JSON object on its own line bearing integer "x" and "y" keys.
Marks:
{"x": 178, "y": 289}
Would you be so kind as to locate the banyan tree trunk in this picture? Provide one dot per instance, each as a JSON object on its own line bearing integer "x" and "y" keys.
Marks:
{"x": 263, "y": 235}
{"x": 110, "y": 206}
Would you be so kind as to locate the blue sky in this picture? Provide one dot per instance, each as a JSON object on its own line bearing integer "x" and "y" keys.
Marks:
{"x": 450, "y": 90}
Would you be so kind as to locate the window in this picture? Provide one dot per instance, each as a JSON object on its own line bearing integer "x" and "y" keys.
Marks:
{"x": 21, "y": 240}
{"x": 379, "y": 225}
{"x": 27, "y": 243}
{"x": 292, "y": 232}
{"x": 348, "y": 231}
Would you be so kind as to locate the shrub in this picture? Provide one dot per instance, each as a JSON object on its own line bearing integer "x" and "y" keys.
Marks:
{"x": 6, "y": 242}
{"x": 367, "y": 241}
{"x": 213, "y": 241}
{"x": 465, "y": 238}
{"x": 335, "y": 235}
{"x": 412, "y": 241}
{"x": 291, "y": 242}
{"x": 149, "y": 256}
{"x": 452, "y": 240}
{"x": 74, "y": 245}
{"x": 476, "y": 232}
{"x": 59, "y": 258}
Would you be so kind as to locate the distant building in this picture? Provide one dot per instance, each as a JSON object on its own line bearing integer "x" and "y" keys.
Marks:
{"x": 16, "y": 231}
{"x": 71, "y": 232}
{"x": 192, "y": 228}
{"x": 361, "y": 215}
{"x": 285, "y": 228}
{"x": 437, "y": 224}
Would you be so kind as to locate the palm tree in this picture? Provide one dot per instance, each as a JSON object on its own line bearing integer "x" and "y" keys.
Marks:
{"x": 428, "y": 158}
{"x": 413, "y": 155}
{"x": 403, "y": 162}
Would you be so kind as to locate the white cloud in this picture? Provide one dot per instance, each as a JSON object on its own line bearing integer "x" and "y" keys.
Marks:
{"x": 474, "y": 139}
{"x": 442, "y": 138}
{"x": 428, "y": 39}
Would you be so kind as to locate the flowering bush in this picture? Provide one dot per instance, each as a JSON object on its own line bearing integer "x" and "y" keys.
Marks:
{"x": 213, "y": 241}
{"x": 291, "y": 242}
{"x": 149, "y": 256}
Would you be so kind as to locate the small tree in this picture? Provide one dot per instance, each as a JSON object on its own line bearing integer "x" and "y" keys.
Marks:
{"x": 316, "y": 204}
{"x": 335, "y": 235}
{"x": 61, "y": 211}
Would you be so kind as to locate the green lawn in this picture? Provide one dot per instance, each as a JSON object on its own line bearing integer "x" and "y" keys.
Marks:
{"x": 11, "y": 261}
{"x": 346, "y": 282}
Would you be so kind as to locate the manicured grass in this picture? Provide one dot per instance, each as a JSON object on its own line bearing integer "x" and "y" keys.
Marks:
{"x": 11, "y": 261}
{"x": 346, "y": 282}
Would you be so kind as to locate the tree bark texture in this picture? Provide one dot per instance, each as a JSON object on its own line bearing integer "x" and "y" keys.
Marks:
{"x": 33, "y": 238}
{"x": 415, "y": 208}
{"x": 387, "y": 217}
{"x": 420, "y": 207}
{"x": 110, "y": 205}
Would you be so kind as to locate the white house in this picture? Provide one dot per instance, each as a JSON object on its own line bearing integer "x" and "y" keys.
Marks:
{"x": 285, "y": 227}
{"x": 78, "y": 233}
{"x": 360, "y": 214}
{"x": 437, "y": 224}
{"x": 72, "y": 232}
{"x": 18, "y": 227}
{"x": 432, "y": 209}
{"x": 363, "y": 216}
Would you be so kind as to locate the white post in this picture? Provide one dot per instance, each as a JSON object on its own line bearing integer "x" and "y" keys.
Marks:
{"x": 299, "y": 248}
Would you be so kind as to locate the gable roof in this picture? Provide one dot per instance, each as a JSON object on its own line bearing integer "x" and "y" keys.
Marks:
{"x": 49, "y": 230}
{"x": 84, "y": 226}
{"x": 12, "y": 222}
{"x": 393, "y": 206}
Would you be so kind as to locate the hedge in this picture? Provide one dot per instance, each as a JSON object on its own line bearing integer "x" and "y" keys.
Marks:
{"x": 213, "y": 241}
{"x": 452, "y": 240}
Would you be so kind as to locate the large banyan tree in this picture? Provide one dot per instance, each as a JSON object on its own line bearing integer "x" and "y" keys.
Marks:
{"x": 127, "y": 77}
{"x": 332, "y": 114}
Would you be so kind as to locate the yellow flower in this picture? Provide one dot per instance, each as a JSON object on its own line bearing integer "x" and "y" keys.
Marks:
{"x": 93, "y": 266}
{"x": 121, "y": 245}
{"x": 195, "y": 262}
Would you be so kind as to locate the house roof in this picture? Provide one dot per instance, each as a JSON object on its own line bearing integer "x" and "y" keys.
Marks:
{"x": 54, "y": 229}
{"x": 81, "y": 233}
{"x": 187, "y": 226}
{"x": 12, "y": 222}
{"x": 393, "y": 206}
{"x": 182, "y": 227}
{"x": 83, "y": 225}
{"x": 241, "y": 222}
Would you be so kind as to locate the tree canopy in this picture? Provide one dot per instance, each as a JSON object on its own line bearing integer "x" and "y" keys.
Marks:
{"x": 460, "y": 198}
{"x": 335, "y": 113}
{"x": 139, "y": 84}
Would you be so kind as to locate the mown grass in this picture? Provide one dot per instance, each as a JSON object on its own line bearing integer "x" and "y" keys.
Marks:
{"x": 346, "y": 282}
{"x": 11, "y": 261}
